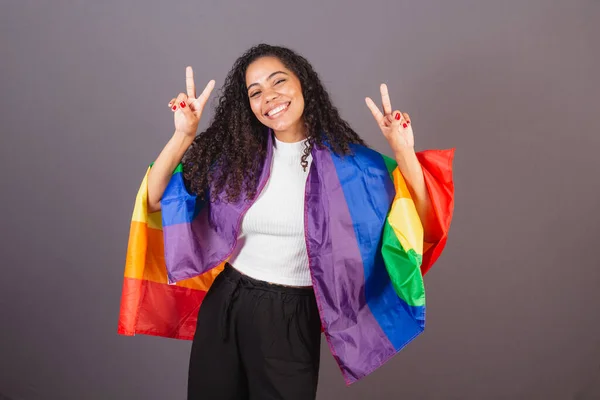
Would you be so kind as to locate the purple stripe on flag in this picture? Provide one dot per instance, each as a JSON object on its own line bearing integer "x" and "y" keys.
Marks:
{"x": 184, "y": 256}
{"x": 215, "y": 227}
{"x": 357, "y": 342}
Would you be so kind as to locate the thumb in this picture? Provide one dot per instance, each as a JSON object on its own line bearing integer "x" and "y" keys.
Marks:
{"x": 398, "y": 119}
{"x": 184, "y": 107}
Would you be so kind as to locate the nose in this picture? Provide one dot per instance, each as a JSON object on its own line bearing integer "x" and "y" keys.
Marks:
{"x": 271, "y": 95}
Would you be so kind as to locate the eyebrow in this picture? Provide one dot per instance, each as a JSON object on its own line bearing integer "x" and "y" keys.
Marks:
{"x": 270, "y": 76}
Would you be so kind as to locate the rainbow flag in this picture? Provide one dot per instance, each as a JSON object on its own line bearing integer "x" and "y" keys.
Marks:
{"x": 149, "y": 305}
{"x": 364, "y": 241}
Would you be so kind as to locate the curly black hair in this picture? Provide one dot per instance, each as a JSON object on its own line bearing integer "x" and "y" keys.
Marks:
{"x": 228, "y": 156}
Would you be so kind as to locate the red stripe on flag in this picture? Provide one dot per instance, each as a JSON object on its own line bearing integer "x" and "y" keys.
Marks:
{"x": 158, "y": 309}
{"x": 437, "y": 171}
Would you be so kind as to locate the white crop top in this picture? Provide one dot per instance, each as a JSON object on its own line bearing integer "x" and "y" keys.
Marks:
{"x": 271, "y": 244}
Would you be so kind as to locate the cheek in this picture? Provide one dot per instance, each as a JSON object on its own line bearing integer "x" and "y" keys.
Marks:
{"x": 300, "y": 108}
{"x": 256, "y": 107}
{"x": 300, "y": 101}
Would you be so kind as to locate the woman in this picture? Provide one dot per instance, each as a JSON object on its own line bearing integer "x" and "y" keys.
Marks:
{"x": 291, "y": 226}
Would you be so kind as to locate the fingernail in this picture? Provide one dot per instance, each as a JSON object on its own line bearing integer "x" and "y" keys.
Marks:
{"x": 182, "y": 104}
{"x": 174, "y": 108}
{"x": 408, "y": 122}
{"x": 404, "y": 125}
{"x": 397, "y": 116}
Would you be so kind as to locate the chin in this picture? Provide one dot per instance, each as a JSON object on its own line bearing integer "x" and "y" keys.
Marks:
{"x": 279, "y": 125}
{"x": 282, "y": 125}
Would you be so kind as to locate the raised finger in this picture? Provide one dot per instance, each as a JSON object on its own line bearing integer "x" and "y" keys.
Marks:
{"x": 385, "y": 99}
{"x": 189, "y": 82}
{"x": 203, "y": 98}
{"x": 374, "y": 110}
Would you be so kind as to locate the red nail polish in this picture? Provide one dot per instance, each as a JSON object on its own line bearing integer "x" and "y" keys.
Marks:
{"x": 174, "y": 108}
{"x": 182, "y": 104}
{"x": 397, "y": 116}
{"x": 408, "y": 122}
{"x": 404, "y": 125}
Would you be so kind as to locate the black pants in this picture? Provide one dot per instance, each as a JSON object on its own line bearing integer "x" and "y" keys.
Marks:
{"x": 255, "y": 340}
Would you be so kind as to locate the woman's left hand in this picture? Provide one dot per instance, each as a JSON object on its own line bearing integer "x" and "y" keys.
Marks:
{"x": 395, "y": 126}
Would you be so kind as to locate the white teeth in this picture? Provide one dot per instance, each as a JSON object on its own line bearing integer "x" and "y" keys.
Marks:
{"x": 276, "y": 110}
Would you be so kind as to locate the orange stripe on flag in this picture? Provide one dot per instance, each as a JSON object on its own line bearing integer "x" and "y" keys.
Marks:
{"x": 145, "y": 259}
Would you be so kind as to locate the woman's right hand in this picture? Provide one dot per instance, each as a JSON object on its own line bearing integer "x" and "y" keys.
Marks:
{"x": 187, "y": 109}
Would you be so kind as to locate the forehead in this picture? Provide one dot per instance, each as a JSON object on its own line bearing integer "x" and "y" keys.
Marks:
{"x": 261, "y": 68}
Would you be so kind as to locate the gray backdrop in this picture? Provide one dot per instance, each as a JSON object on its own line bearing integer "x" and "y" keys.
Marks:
{"x": 513, "y": 303}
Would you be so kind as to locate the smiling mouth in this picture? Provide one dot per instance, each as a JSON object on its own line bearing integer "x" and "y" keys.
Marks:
{"x": 277, "y": 111}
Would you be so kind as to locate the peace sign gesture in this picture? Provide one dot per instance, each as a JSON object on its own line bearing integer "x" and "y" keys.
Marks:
{"x": 187, "y": 108}
{"x": 395, "y": 125}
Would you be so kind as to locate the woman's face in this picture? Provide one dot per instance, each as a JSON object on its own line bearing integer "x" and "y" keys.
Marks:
{"x": 275, "y": 95}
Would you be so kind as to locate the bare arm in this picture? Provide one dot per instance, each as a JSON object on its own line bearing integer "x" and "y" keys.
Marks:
{"x": 397, "y": 129}
{"x": 161, "y": 171}
{"x": 187, "y": 110}
{"x": 410, "y": 167}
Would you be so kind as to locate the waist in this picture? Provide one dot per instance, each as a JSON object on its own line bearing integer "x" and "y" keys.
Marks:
{"x": 235, "y": 275}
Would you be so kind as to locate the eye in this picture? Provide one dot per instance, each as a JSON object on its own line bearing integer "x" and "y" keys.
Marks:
{"x": 254, "y": 94}
{"x": 279, "y": 81}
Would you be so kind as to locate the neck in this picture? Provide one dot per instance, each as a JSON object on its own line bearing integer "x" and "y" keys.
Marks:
{"x": 292, "y": 135}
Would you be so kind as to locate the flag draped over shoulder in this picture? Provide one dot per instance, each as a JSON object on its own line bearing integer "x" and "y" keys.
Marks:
{"x": 373, "y": 234}
{"x": 149, "y": 304}
{"x": 367, "y": 255}
{"x": 403, "y": 225}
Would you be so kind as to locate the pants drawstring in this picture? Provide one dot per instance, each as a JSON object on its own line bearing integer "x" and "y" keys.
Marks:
{"x": 228, "y": 305}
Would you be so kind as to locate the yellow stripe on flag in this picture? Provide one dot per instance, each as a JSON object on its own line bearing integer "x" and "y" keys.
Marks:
{"x": 403, "y": 217}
